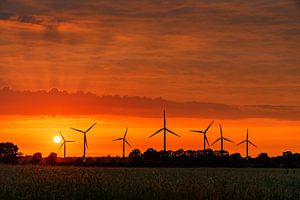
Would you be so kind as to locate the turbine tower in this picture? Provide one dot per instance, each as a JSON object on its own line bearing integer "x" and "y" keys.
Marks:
{"x": 221, "y": 140}
{"x": 85, "y": 145}
{"x": 124, "y": 141}
{"x": 247, "y": 141}
{"x": 205, "y": 140}
{"x": 64, "y": 144}
{"x": 165, "y": 129}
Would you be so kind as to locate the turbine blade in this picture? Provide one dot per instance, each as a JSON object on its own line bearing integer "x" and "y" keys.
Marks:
{"x": 209, "y": 126}
{"x": 196, "y": 131}
{"x": 77, "y": 130}
{"x": 206, "y": 140}
{"x": 252, "y": 143}
{"x": 69, "y": 141}
{"x": 172, "y": 132}
{"x": 228, "y": 140}
{"x": 156, "y": 132}
{"x": 127, "y": 142}
{"x": 125, "y": 133}
{"x": 241, "y": 142}
{"x": 117, "y": 139}
{"x": 90, "y": 128}
{"x": 61, "y": 146}
{"x": 62, "y": 136}
{"x": 215, "y": 141}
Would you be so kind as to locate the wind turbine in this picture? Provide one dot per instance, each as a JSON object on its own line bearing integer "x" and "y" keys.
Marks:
{"x": 124, "y": 141}
{"x": 165, "y": 129}
{"x": 85, "y": 145}
{"x": 247, "y": 145}
{"x": 64, "y": 144}
{"x": 205, "y": 140}
{"x": 222, "y": 139}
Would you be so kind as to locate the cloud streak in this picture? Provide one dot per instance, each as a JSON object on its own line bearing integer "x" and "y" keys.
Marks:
{"x": 57, "y": 102}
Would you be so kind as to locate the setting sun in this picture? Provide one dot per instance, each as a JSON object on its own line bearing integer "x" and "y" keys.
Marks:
{"x": 57, "y": 139}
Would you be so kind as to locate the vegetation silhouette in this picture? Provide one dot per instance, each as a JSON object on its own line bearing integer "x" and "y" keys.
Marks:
{"x": 51, "y": 159}
{"x": 180, "y": 158}
{"x": 37, "y": 158}
{"x": 9, "y": 153}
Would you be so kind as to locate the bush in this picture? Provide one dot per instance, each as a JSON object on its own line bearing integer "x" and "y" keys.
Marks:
{"x": 37, "y": 158}
{"x": 9, "y": 153}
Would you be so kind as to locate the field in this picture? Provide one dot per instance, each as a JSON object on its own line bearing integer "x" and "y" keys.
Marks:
{"x": 38, "y": 182}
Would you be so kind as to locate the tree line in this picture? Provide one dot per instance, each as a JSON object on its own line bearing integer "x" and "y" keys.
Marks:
{"x": 9, "y": 154}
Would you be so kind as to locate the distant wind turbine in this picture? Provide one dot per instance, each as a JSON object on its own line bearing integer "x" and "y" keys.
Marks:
{"x": 85, "y": 144}
{"x": 205, "y": 140}
{"x": 221, "y": 140}
{"x": 124, "y": 141}
{"x": 165, "y": 129}
{"x": 247, "y": 141}
{"x": 64, "y": 144}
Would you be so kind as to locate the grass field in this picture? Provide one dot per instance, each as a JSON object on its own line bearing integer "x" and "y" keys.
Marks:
{"x": 38, "y": 182}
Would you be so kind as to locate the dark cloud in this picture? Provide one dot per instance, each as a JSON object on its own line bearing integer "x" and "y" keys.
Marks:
{"x": 57, "y": 102}
{"x": 5, "y": 15}
{"x": 29, "y": 19}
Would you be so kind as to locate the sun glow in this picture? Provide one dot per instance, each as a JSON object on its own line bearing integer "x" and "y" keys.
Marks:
{"x": 57, "y": 139}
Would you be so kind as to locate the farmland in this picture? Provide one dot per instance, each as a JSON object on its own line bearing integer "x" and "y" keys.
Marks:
{"x": 40, "y": 182}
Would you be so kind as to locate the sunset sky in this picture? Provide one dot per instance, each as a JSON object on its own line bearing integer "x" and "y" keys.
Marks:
{"x": 120, "y": 63}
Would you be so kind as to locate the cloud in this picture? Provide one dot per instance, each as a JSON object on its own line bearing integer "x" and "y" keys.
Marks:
{"x": 29, "y": 19}
{"x": 55, "y": 102}
{"x": 233, "y": 52}
{"x": 5, "y": 15}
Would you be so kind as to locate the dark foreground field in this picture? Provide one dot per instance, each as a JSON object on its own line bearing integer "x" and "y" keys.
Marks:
{"x": 37, "y": 182}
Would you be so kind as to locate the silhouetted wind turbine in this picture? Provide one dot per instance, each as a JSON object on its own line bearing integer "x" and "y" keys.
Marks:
{"x": 205, "y": 140}
{"x": 124, "y": 141}
{"x": 85, "y": 145}
{"x": 221, "y": 139}
{"x": 165, "y": 129}
{"x": 64, "y": 144}
{"x": 247, "y": 145}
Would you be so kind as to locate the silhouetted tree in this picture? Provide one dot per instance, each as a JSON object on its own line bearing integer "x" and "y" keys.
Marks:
{"x": 263, "y": 159}
{"x": 37, "y": 158}
{"x": 135, "y": 157}
{"x": 78, "y": 161}
{"x": 235, "y": 159}
{"x": 178, "y": 153}
{"x": 151, "y": 156}
{"x": 51, "y": 159}
{"x": 135, "y": 153}
{"x": 288, "y": 161}
{"x": 9, "y": 153}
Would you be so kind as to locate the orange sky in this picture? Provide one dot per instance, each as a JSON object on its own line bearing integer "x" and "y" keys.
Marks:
{"x": 238, "y": 60}
{"x": 35, "y": 134}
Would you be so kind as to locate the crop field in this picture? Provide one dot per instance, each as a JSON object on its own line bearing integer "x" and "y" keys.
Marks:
{"x": 39, "y": 182}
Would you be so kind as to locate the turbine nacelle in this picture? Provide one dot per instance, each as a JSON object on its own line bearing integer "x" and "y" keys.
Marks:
{"x": 221, "y": 139}
{"x": 204, "y": 132}
{"x": 165, "y": 129}
{"x": 85, "y": 144}
{"x": 84, "y": 132}
{"x": 64, "y": 143}
{"x": 124, "y": 141}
